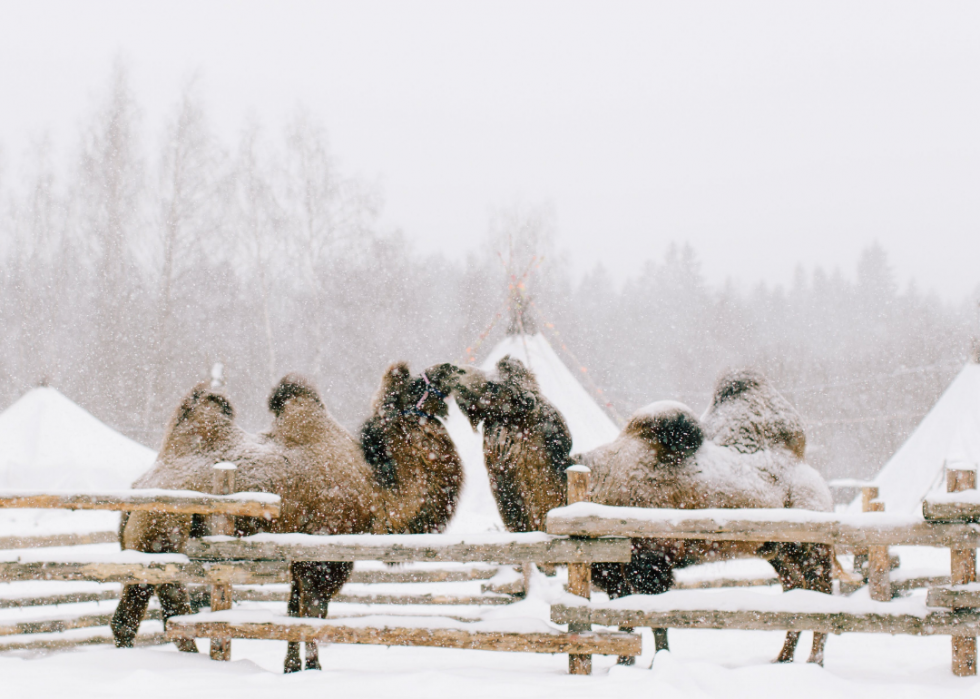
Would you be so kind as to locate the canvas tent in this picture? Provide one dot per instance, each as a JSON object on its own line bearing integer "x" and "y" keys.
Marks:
{"x": 48, "y": 442}
{"x": 948, "y": 434}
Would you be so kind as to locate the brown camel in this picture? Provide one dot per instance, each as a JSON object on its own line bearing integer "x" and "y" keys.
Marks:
{"x": 417, "y": 470}
{"x": 747, "y": 451}
{"x": 319, "y": 471}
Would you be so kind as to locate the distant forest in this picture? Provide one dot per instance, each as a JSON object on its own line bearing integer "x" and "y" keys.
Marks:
{"x": 127, "y": 271}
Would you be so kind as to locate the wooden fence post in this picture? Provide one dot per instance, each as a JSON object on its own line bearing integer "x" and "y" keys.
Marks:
{"x": 579, "y": 574}
{"x": 963, "y": 570}
{"x": 879, "y": 563}
{"x": 222, "y": 483}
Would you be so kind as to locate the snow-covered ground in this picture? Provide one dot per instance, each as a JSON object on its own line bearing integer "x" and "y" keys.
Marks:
{"x": 729, "y": 664}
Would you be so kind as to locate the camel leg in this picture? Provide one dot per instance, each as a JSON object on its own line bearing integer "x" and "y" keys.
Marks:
{"x": 816, "y": 653}
{"x": 786, "y": 564}
{"x": 293, "y": 662}
{"x": 789, "y": 647}
{"x": 129, "y": 613}
{"x": 175, "y": 601}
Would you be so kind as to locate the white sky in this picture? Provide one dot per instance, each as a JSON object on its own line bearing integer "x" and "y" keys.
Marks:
{"x": 766, "y": 134}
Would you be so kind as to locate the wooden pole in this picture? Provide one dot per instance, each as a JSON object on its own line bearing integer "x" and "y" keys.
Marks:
{"x": 223, "y": 483}
{"x": 869, "y": 494}
{"x": 579, "y": 574}
{"x": 963, "y": 570}
{"x": 879, "y": 564}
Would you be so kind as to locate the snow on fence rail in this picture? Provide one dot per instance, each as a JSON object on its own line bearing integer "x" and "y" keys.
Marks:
{"x": 948, "y": 521}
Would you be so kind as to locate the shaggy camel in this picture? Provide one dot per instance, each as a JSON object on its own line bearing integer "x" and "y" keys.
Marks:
{"x": 418, "y": 472}
{"x": 317, "y": 468}
{"x": 747, "y": 451}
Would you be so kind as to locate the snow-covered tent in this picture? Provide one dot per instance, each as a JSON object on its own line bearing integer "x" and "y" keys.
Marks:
{"x": 949, "y": 434}
{"x": 47, "y": 442}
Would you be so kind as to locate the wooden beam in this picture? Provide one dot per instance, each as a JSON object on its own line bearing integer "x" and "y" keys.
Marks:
{"x": 963, "y": 571}
{"x": 602, "y": 643}
{"x": 34, "y": 542}
{"x": 879, "y": 564}
{"x": 579, "y": 574}
{"x": 171, "y": 501}
{"x": 428, "y": 575}
{"x": 943, "y": 511}
{"x": 43, "y": 643}
{"x": 223, "y": 483}
{"x": 778, "y": 525}
{"x": 59, "y": 625}
{"x": 239, "y": 573}
{"x": 951, "y": 623}
{"x": 65, "y": 598}
{"x": 951, "y": 597}
{"x": 414, "y": 547}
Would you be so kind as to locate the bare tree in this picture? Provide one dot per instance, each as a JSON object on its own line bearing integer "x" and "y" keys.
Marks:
{"x": 110, "y": 190}
{"x": 331, "y": 217}
{"x": 184, "y": 220}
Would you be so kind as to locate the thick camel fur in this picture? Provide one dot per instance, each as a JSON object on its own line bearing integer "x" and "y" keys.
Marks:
{"x": 746, "y": 451}
{"x": 417, "y": 471}
{"x": 319, "y": 470}
{"x": 526, "y": 442}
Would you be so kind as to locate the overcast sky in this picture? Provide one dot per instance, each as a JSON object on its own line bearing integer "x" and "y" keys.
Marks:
{"x": 766, "y": 134}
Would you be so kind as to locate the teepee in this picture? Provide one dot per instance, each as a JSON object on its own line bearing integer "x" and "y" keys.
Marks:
{"x": 47, "y": 442}
{"x": 949, "y": 435}
{"x": 589, "y": 424}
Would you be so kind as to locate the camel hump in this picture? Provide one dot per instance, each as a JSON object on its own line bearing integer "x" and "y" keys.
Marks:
{"x": 671, "y": 428}
{"x": 747, "y": 413}
{"x": 202, "y": 394}
{"x": 292, "y": 386}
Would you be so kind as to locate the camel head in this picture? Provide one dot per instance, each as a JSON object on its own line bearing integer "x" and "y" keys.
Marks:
{"x": 200, "y": 422}
{"x": 512, "y": 391}
{"x": 401, "y": 393}
{"x": 297, "y": 409}
{"x": 670, "y": 428}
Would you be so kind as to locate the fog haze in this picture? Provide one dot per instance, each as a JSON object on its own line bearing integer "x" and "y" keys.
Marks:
{"x": 767, "y": 135}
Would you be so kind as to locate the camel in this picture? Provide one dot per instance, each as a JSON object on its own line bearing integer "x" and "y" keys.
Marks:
{"x": 316, "y": 467}
{"x": 418, "y": 472}
{"x": 746, "y": 451}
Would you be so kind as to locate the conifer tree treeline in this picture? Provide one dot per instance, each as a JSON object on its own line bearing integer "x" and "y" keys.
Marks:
{"x": 128, "y": 273}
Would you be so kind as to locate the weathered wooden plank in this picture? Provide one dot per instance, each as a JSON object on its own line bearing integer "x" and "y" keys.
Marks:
{"x": 949, "y": 623}
{"x": 239, "y": 573}
{"x": 58, "y": 625}
{"x": 963, "y": 571}
{"x": 65, "y": 598}
{"x": 404, "y": 550}
{"x": 172, "y": 501}
{"x": 411, "y": 576}
{"x": 240, "y": 595}
{"x": 42, "y": 643}
{"x": 579, "y": 574}
{"x": 951, "y": 511}
{"x": 607, "y": 643}
{"x": 858, "y": 530}
{"x": 33, "y": 542}
{"x": 953, "y": 597}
